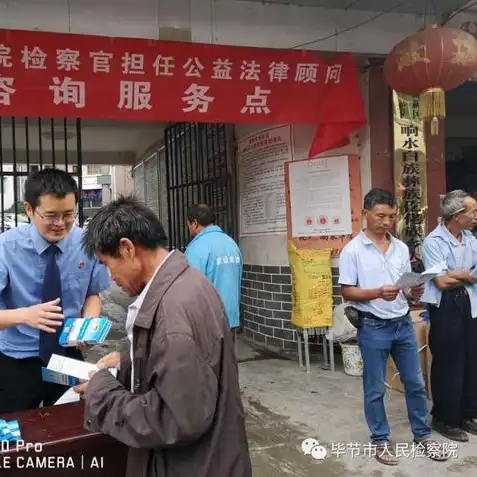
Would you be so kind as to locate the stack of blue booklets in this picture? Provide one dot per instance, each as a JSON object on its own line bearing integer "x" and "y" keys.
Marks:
{"x": 85, "y": 330}
{"x": 10, "y": 430}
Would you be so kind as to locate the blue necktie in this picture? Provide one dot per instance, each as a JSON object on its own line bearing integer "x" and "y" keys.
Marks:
{"x": 51, "y": 291}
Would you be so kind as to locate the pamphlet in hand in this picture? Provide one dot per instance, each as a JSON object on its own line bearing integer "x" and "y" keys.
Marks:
{"x": 412, "y": 280}
{"x": 58, "y": 378}
{"x": 69, "y": 372}
{"x": 74, "y": 367}
{"x": 85, "y": 330}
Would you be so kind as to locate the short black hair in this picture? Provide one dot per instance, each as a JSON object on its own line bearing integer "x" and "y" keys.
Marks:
{"x": 378, "y": 197}
{"x": 202, "y": 213}
{"x": 49, "y": 181}
{"x": 125, "y": 217}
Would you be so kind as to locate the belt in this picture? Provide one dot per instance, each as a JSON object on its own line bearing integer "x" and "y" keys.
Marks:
{"x": 367, "y": 314}
{"x": 456, "y": 291}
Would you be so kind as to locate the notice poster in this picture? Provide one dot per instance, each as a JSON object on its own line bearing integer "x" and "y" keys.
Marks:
{"x": 320, "y": 198}
{"x": 261, "y": 160}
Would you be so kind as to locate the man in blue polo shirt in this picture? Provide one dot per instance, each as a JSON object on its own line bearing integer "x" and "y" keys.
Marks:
{"x": 452, "y": 304}
{"x": 370, "y": 265}
{"x": 217, "y": 256}
{"x": 44, "y": 277}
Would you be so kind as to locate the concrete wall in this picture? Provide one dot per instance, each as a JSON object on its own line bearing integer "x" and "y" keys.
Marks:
{"x": 266, "y": 292}
{"x": 229, "y": 22}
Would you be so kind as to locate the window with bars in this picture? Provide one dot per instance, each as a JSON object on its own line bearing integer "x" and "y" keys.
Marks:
{"x": 94, "y": 170}
{"x": 199, "y": 168}
{"x": 36, "y": 153}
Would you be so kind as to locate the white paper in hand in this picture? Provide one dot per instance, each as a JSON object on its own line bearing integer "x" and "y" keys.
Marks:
{"x": 408, "y": 280}
{"x": 436, "y": 269}
{"x": 411, "y": 279}
{"x": 74, "y": 367}
{"x": 68, "y": 396}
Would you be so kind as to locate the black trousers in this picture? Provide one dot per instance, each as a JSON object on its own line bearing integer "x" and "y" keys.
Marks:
{"x": 453, "y": 344}
{"x": 22, "y": 386}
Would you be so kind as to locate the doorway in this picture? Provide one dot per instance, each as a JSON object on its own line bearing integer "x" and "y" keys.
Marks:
{"x": 461, "y": 138}
{"x": 199, "y": 168}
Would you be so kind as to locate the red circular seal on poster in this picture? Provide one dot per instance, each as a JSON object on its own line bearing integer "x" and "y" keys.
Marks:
{"x": 323, "y": 220}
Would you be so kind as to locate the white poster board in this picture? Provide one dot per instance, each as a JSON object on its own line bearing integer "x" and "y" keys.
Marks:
{"x": 261, "y": 159}
{"x": 320, "y": 201}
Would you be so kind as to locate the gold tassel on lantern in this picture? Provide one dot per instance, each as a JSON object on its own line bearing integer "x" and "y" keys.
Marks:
{"x": 433, "y": 107}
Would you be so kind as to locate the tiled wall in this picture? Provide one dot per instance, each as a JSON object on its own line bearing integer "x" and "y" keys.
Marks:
{"x": 266, "y": 306}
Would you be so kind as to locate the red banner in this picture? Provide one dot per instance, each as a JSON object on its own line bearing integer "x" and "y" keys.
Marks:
{"x": 65, "y": 75}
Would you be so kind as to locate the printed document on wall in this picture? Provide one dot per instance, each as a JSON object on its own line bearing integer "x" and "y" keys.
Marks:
{"x": 261, "y": 160}
{"x": 320, "y": 199}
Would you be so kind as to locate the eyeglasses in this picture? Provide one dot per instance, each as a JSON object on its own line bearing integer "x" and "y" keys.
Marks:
{"x": 471, "y": 212}
{"x": 459, "y": 211}
{"x": 49, "y": 218}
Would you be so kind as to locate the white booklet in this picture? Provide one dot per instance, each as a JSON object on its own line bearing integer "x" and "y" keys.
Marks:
{"x": 411, "y": 279}
{"x": 74, "y": 367}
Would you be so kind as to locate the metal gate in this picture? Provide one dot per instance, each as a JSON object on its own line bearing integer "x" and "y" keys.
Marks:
{"x": 199, "y": 169}
{"x": 31, "y": 144}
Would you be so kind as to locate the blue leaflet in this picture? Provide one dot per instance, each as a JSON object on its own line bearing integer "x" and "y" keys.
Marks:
{"x": 10, "y": 430}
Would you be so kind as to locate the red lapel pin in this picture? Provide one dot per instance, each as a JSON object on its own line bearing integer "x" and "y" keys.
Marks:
{"x": 81, "y": 264}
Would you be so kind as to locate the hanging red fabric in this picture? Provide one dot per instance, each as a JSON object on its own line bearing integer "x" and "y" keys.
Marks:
{"x": 340, "y": 119}
{"x": 65, "y": 75}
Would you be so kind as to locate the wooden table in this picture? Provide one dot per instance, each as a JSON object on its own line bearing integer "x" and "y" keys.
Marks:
{"x": 55, "y": 444}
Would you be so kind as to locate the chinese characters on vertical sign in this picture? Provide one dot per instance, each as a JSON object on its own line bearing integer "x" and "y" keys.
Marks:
{"x": 410, "y": 172}
{"x": 94, "y": 76}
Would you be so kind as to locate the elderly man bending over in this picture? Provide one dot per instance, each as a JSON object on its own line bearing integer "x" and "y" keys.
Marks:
{"x": 176, "y": 402}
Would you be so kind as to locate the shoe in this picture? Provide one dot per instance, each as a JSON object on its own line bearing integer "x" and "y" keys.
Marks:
{"x": 470, "y": 425}
{"x": 434, "y": 450}
{"x": 452, "y": 433}
{"x": 385, "y": 454}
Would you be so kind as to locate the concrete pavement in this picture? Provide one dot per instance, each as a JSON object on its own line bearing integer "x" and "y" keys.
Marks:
{"x": 284, "y": 406}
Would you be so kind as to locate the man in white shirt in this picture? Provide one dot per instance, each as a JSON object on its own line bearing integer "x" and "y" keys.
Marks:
{"x": 452, "y": 303}
{"x": 370, "y": 265}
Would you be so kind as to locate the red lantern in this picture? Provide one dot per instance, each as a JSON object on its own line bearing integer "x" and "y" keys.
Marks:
{"x": 435, "y": 59}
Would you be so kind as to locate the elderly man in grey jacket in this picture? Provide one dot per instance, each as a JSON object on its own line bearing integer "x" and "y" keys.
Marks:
{"x": 177, "y": 401}
{"x": 452, "y": 302}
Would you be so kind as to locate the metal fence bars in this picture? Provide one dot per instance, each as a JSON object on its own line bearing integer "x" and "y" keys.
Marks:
{"x": 31, "y": 144}
{"x": 200, "y": 169}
